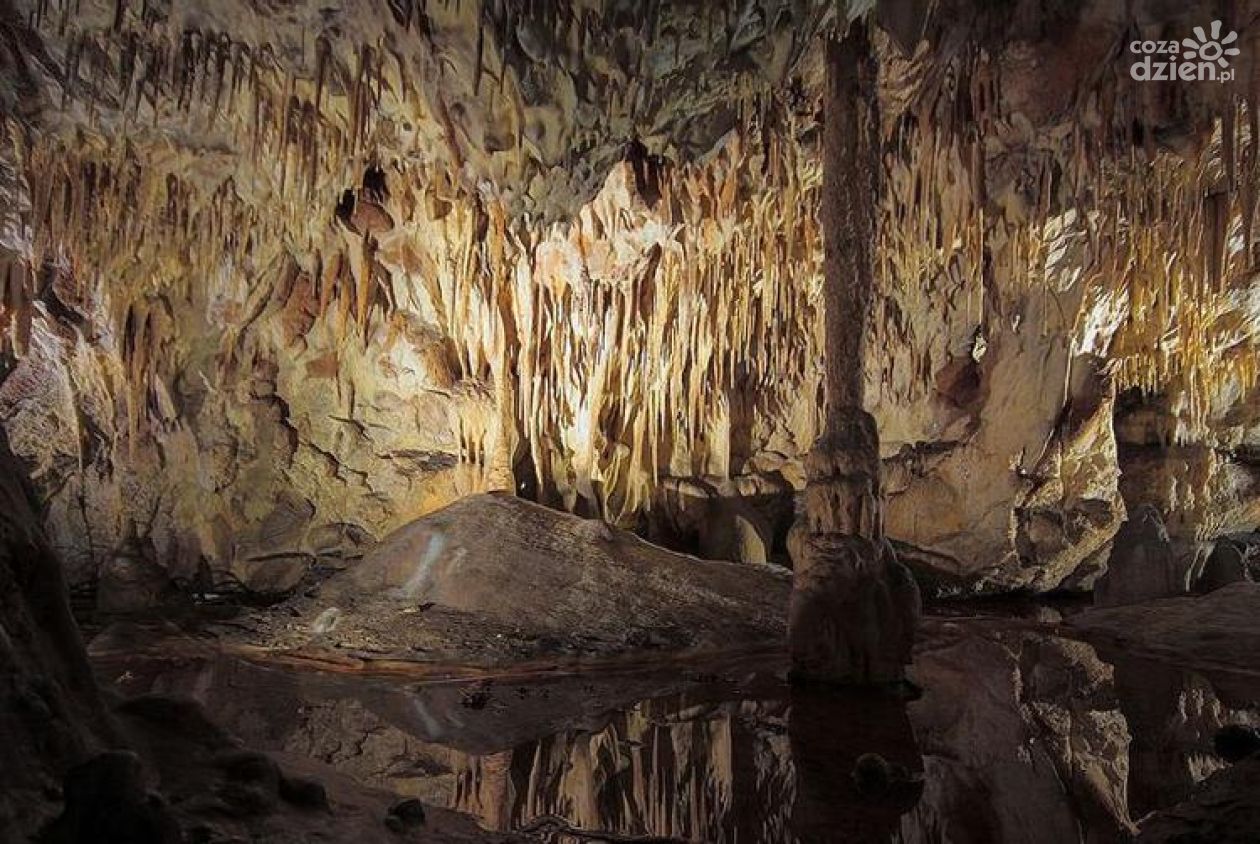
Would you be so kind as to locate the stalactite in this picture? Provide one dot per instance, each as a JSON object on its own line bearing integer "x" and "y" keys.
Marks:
{"x": 727, "y": 300}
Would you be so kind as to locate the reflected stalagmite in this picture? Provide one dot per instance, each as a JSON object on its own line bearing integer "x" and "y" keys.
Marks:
{"x": 857, "y": 767}
{"x": 854, "y": 607}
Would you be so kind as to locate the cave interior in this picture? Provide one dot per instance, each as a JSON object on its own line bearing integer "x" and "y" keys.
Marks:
{"x": 629, "y": 421}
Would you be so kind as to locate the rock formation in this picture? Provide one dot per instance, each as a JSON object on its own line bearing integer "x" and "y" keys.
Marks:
{"x": 854, "y": 607}
{"x": 1214, "y": 629}
{"x": 61, "y": 781}
{"x": 1018, "y": 735}
{"x": 455, "y": 341}
{"x": 1142, "y": 564}
{"x": 371, "y": 263}
{"x": 50, "y": 713}
{"x": 509, "y": 572}
{"x": 1023, "y": 738}
{"x": 1228, "y": 563}
{"x": 1223, "y": 809}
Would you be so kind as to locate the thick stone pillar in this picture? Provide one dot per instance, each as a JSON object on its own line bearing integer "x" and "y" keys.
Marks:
{"x": 854, "y": 607}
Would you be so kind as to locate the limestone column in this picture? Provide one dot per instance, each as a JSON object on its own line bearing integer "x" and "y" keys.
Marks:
{"x": 854, "y": 607}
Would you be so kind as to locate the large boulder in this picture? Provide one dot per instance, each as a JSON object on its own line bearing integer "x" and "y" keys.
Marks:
{"x": 1142, "y": 565}
{"x": 521, "y": 567}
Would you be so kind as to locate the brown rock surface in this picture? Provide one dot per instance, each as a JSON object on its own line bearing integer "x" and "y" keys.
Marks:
{"x": 514, "y": 569}
{"x": 1217, "y": 629}
{"x": 1223, "y": 810}
{"x": 1023, "y": 739}
{"x": 1019, "y": 735}
{"x": 1142, "y": 564}
{"x": 50, "y": 714}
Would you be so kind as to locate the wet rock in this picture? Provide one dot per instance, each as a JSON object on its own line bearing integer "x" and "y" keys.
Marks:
{"x": 853, "y": 612}
{"x": 1142, "y": 564}
{"x": 1023, "y": 740}
{"x": 1172, "y": 715}
{"x": 1217, "y": 629}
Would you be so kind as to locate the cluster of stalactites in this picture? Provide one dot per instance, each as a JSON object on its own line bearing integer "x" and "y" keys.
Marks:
{"x": 621, "y": 374}
{"x": 1177, "y": 239}
{"x": 609, "y": 374}
{"x": 1170, "y": 233}
{"x": 299, "y": 131}
{"x": 611, "y": 371}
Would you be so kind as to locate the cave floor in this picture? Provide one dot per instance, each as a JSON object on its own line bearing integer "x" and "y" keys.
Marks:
{"x": 1021, "y": 730}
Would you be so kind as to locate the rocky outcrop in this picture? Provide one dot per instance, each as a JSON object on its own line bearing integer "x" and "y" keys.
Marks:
{"x": 539, "y": 576}
{"x": 51, "y": 716}
{"x": 1212, "y": 630}
{"x": 1142, "y": 564}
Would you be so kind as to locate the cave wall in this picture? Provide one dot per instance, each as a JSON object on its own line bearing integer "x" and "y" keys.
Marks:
{"x": 277, "y": 281}
{"x": 51, "y": 715}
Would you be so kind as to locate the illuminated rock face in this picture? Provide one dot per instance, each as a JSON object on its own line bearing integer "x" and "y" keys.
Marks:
{"x": 273, "y": 284}
{"x": 854, "y": 607}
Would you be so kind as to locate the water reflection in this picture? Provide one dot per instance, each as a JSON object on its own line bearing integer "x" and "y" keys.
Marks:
{"x": 858, "y": 769}
{"x": 680, "y": 767}
{"x": 1019, "y": 735}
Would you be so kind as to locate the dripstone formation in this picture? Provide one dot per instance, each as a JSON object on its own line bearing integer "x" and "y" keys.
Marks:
{"x": 854, "y": 607}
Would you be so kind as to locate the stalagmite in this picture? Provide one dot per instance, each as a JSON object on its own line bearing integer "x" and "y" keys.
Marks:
{"x": 854, "y": 608}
